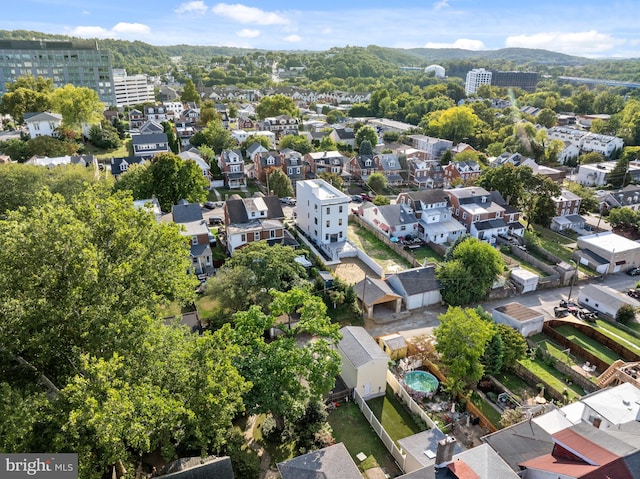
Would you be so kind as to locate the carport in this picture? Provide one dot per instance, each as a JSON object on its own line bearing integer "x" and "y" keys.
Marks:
{"x": 374, "y": 292}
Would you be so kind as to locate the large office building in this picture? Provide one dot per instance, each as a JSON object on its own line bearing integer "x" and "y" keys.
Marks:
{"x": 132, "y": 89}
{"x": 525, "y": 80}
{"x": 475, "y": 78}
{"x": 78, "y": 62}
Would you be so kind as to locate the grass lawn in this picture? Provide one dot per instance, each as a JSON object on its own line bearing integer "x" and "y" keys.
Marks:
{"x": 485, "y": 408}
{"x": 207, "y": 306}
{"x": 516, "y": 384}
{"x": 627, "y": 340}
{"x": 553, "y": 243}
{"x": 351, "y": 428}
{"x": 393, "y": 416}
{"x": 390, "y": 261}
{"x": 552, "y": 377}
{"x": 126, "y": 149}
{"x": 587, "y": 343}
{"x": 425, "y": 252}
{"x": 524, "y": 264}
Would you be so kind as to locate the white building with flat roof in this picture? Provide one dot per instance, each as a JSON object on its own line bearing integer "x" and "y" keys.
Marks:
{"x": 132, "y": 89}
{"x": 475, "y": 78}
{"x": 608, "y": 252}
{"x": 322, "y": 212}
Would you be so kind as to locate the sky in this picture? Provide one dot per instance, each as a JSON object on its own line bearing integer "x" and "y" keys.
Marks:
{"x": 588, "y": 28}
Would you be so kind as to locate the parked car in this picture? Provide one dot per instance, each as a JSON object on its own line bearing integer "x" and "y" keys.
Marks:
{"x": 366, "y": 197}
{"x": 356, "y": 199}
{"x": 633, "y": 271}
{"x": 215, "y": 220}
{"x": 209, "y": 205}
{"x": 288, "y": 200}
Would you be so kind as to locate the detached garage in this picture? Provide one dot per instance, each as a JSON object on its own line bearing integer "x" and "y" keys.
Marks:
{"x": 603, "y": 299}
{"x": 418, "y": 287}
{"x": 526, "y": 320}
{"x": 364, "y": 363}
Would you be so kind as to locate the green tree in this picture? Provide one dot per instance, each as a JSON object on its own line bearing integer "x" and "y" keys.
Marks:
{"x": 77, "y": 105}
{"x": 470, "y": 273}
{"x": 26, "y": 94}
{"x": 462, "y": 358}
{"x": 619, "y": 177}
{"x": 172, "y": 136}
{"x": 623, "y": 217}
{"x": 547, "y": 118}
{"x": 214, "y": 136}
{"x": 105, "y": 137}
{"x": 514, "y": 345}
{"x": 333, "y": 178}
{"x": 511, "y": 181}
{"x": 377, "y": 182}
{"x": 366, "y": 149}
{"x": 280, "y": 184}
{"x": 626, "y": 314}
{"x": 446, "y": 158}
{"x": 304, "y": 371}
{"x": 190, "y": 93}
{"x": 456, "y": 124}
{"x": 380, "y": 200}
{"x": 263, "y": 140}
{"x": 299, "y": 143}
{"x": 16, "y": 149}
{"x": 327, "y": 144}
{"x": 368, "y": 133}
{"x": 275, "y": 105}
{"x": 588, "y": 201}
{"x": 51, "y": 147}
{"x": 493, "y": 358}
{"x": 589, "y": 158}
{"x": 537, "y": 203}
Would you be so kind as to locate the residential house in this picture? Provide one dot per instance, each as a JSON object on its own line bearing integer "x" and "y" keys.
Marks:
{"x": 184, "y": 131}
{"x": 281, "y": 125}
{"x": 425, "y": 173}
{"x": 246, "y": 123}
{"x": 417, "y": 286}
{"x": 224, "y": 119}
{"x": 587, "y": 141}
{"x": 232, "y": 167}
{"x": 120, "y": 165}
{"x": 608, "y": 252}
{"x": 434, "y": 147}
{"x": 332, "y": 462}
{"x": 567, "y": 212}
{"x": 202, "y": 164}
{"x": 199, "y": 468}
{"x": 265, "y": 163}
{"x": 461, "y": 172}
{"x": 136, "y": 119}
{"x": 174, "y": 109}
{"x": 147, "y": 146}
{"x": 156, "y": 113}
{"x": 390, "y": 166}
{"x": 482, "y": 216}
{"x": 258, "y": 218}
{"x": 431, "y": 207}
{"x": 254, "y": 149}
{"x": 151, "y": 127}
{"x": 627, "y": 197}
{"x": 598, "y": 174}
{"x": 42, "y": 124}
{"x": 344, "y": 136}
{"x": 240, "y": 135}
{"x": 82, "y": 160}
{"x": 189, "y": 216}
{"x": 322, "y": 214}
{"x": 293, "y": 166}
{"x": 190, "y": 116}
{"x": 525, "y": 320}
{"x": 569, "y": 153}
{"x": 395, "y": 221}
{"x": 325, "y": 162}
{"x": 364, "y": 364}
{"x": 360, "y": 167}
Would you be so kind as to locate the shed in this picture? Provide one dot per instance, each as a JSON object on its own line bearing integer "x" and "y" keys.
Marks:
{"x": 327, "y": 278}
{"x": 603, "y": 299}
{"x": 421, "y": 449}
{"x": 417, "y": 286}
{"x": 374, "y": 292}
{"x": 364, "y": 363}
{"x": 394, "y": 345}
{"x": 520, "y": 318}
{"x": 525, "y": 279}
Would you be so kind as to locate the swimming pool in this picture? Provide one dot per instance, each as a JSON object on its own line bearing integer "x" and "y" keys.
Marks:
{"x": 421, "y": 382}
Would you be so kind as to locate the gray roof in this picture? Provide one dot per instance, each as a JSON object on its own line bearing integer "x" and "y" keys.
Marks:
{"x": 198, "y": 468}
{"x": 149, "y": 138}
{"x": 390, "y": 162}
{"x": 397, "y": 215}
{"x": 417, "y": 444}
{"x": 359, "y": 347}
{"x": 418, "y": 280}
{"x": 237, "y": 208}
{"x": 186, "y": 212}
{"x": 374, "y": 289}
{"x": 428, "y": 197}
{"x": 42, "y": 116}
{"x": 490, "y": 224}
{"x": 333, "y": 462}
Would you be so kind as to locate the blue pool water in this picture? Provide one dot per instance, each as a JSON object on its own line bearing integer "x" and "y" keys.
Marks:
{"x": 421, "y": 381}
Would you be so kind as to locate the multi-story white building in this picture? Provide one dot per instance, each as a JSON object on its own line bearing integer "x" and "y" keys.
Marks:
{"x": 131, "y": 89}
{"x": 322, "y": 212}
{"x": 586, "y": 141}
{"x": 597, "y": 174}
{"x": 475, "y": 78}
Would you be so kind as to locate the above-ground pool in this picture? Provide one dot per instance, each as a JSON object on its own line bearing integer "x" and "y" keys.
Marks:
{"x": 421, "y": 383}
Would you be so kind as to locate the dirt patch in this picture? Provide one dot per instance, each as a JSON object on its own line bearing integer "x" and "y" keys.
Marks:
{"x": 629, "y": 232}
{"x": 352, "y": 271}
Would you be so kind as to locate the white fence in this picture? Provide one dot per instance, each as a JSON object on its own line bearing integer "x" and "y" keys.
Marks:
{"x": 377, "y": 427}
{"x": 370, "y": 262}
{"x": 404, "y": 396}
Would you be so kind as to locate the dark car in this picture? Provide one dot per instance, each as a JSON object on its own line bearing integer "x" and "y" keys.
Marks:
{"x": 366, "y": 197}
{"x": 356, "y": 199}
{"x": 633, "y": 271}
{"x": 215, "y": 220}
{"x": 209, "y": 205}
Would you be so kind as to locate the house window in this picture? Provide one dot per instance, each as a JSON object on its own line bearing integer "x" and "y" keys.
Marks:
{"x": 476, "y": 218}
{"x": 328, "y": 223}
{"x": 243, "y": 238}
{"x": 367, "y": 163}
{"x": 340, "y": 209}
{"x": 340, "y": 234}
{"x": 256, "y": 236}
{"x": 328, "y": 210}
{"x": 207, "y": 260}
{"x": 253, "y": 214}
{"x": 340, "y": 222}
{"x": 36, "y": 126}
{"x": 194, "y": 239}
{"x": 326, "y": 237}
{"x": 403, "y": 228}
{"x": 484, "y": 199}
{"x": 464, "y": 215}
{"x": 457, "y": 211}
{"x": 272, "y": 233}
{"x": 315, "y": 221}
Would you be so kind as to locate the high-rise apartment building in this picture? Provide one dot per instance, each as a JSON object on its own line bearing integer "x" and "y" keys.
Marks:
{"x": 132, "y": 89}
{"x": 475, "y": 78}
{"x": 79, "y": 62}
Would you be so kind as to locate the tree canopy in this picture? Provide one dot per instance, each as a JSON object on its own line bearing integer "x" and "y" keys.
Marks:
{"x": 275, "y": 105}
{"x": 367, "y": 133}
{"x": 77, "y": 105}
{"x": 279, "y": 183}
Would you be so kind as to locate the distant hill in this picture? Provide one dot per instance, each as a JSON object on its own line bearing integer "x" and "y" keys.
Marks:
{"x": 516, "y": 55}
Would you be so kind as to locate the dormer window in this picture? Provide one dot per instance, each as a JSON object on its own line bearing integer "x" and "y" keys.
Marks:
{"x": 392, "y": 164}
{"x": 484, "y": 199}
{"x": 271, "y": 160}
{"x": 367, "y": 162}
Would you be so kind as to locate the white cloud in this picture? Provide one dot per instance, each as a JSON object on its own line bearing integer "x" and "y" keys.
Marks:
{"x": 248, "y": 33}
{"x": 192, "y": 7}
{"x": 244, "y": 14}
{"x": 441, "y": 4}
{"x": 573, "y": 43}
{"x": 91, "y": 32}
{"x": 463, "y": 43}
{"x": 86, "y": 12}
{"x": 131, "y": 28}
{"x": 327, "y": 31}
{"x": 292, "y": 38}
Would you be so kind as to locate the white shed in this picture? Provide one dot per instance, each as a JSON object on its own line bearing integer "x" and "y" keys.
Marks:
{"x": 364, "y": 363}
{"x": 520, "y": 318}
{"x": 525, "y": 278}
{"x": 604, "y": 299}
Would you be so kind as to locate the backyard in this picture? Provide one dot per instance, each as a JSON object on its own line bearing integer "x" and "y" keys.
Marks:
{"x": 393, "y": 416}
{"x": 390, "y": 261}
{"x": 554, "y": 378}
{"x": 588, "y": 344}
{"x": 610, "y": 330}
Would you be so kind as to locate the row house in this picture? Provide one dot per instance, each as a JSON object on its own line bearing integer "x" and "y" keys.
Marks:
{"x": 587, "y": 141}
{"x": 434, "y": 147}
{"x": 136, "y": 119}
{"x": 597, "y": 174}
{"x": 258, "y": 218}
{"x": 190, "y": 116}
{"x": 325, "y": 162}
{"x": 194, "y": 227}
{"x": 120, "y": 165}
{"x": 185, "y": 131}
{"x": 174, "y": 109}
{"x": 361, "y": 167}
{"x": 246, "y": 123}
{"x": 281, "y": 125}
{"x": 435, "y": 221}
{"x": 147, "y": 146}
{"x": 253, "y": 150}
{"x": 484, "y": 215}
{"x": 156, "y": 113}
{"x": 628, "y": 197}
{"x": 344, "y": 136}
{"x": 425, "y": 173}
{"x": 231, "y": 165}
{"x": 293, "y": 165}
{"x": 150, "y": 127}
{"x": 463, "y": 172}
{"x": 567, "y": 212}
{"x": 391, "y": 168}
{"x": 265, "y": 162}
{"x": 395, "y": 221}
{"x": 240, "y": 135}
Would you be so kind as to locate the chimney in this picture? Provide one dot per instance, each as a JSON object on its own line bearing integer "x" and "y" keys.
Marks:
{"x": 444, "y": 454}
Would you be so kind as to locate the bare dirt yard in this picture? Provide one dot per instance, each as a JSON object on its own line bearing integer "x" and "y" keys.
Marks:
{"x": 352, "y": 271}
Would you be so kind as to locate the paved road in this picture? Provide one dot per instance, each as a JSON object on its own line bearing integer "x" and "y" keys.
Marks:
{"x": 423, "y": 321}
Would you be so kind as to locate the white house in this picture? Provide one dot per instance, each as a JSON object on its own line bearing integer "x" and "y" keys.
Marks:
{"x": 604, "y": 299}
{"x": 42, "y": 124}
{"x": 417, "y": 286}
{"x": 364, "y": 363}
{"x": 520, "y": 318}
{"x": 395, "y": 221}
{"x": 322, "y": 212}
{"x": 203, "y": 165}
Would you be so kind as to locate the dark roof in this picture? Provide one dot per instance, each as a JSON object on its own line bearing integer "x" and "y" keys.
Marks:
{"x": 518, "y": 312}
{"x": 397, "y": 215}
{"x": 490, "y": 224}
{"x": 428, "y": 197}
{"x": 186, "y": 212}
{"x": 130, "y": 160}
{"x": 374, "y": 290}
{"x": 362, "y": 158}
{"x": 237, "y": 211}
{"x": 345, "y": 134}
{"x": 333, "y": 462}
{"x": 150, "y": 138}
{"x": 419, "y": 280}
{"x": 198, "y": 250}
{"x": 198, "y": 468}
